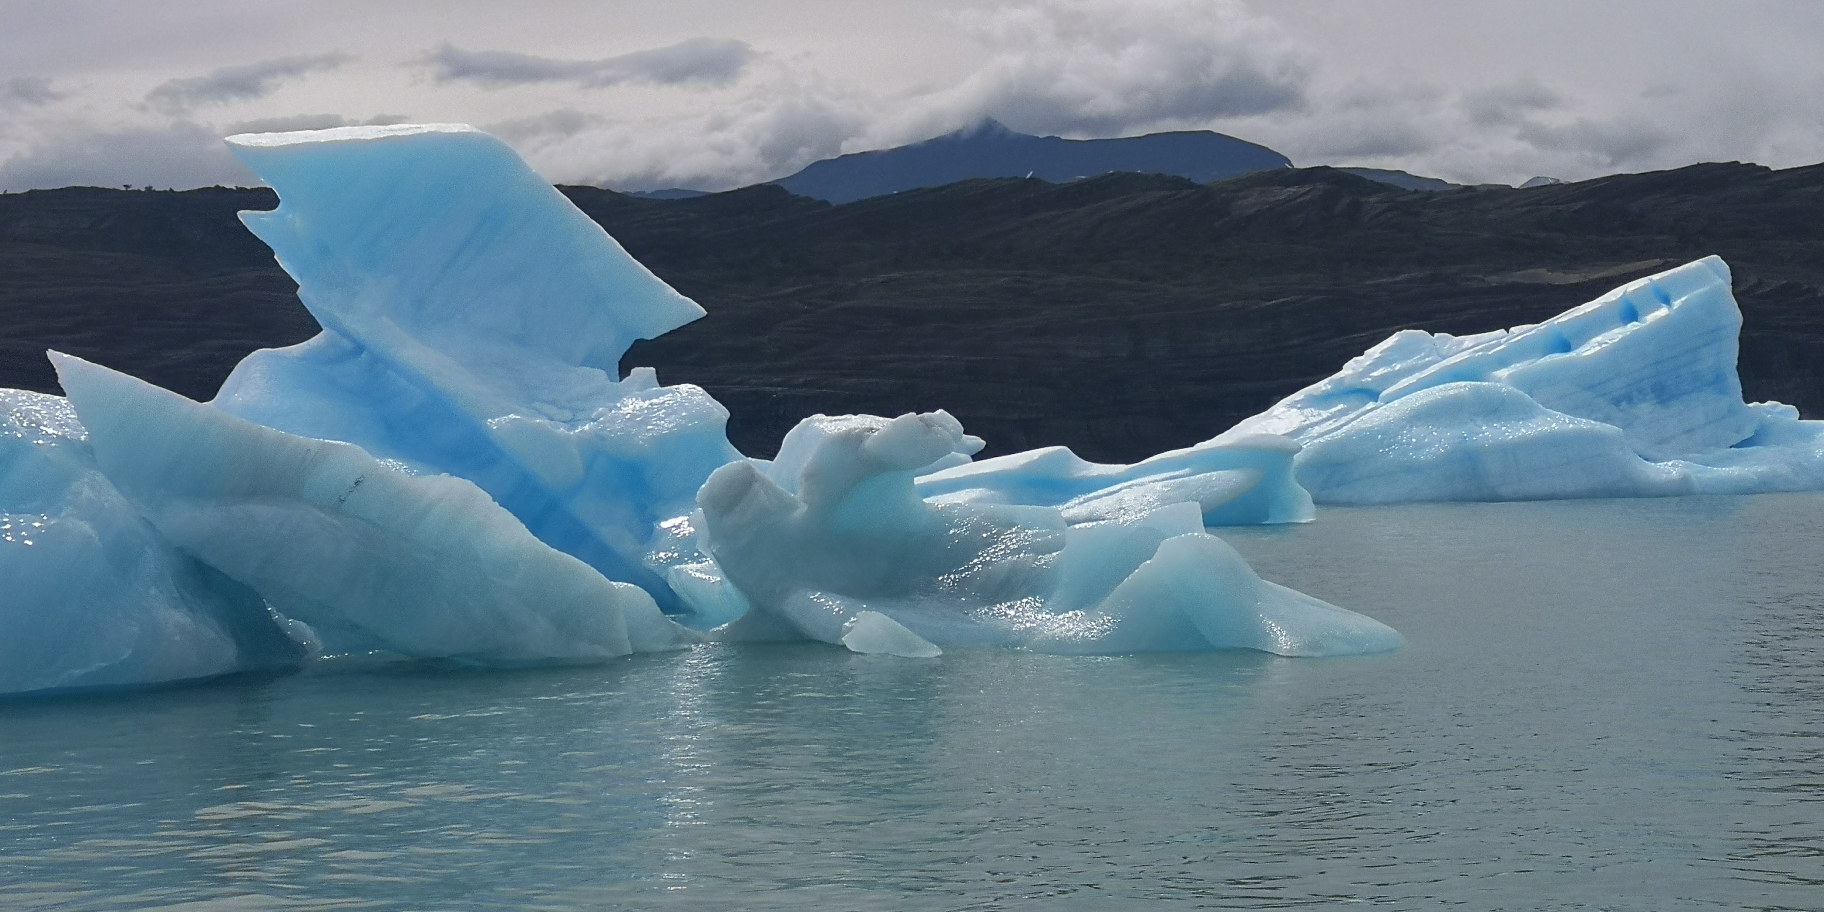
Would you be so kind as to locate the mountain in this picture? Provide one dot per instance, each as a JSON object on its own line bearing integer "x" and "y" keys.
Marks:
{"x": 989, "y": 149}
{"x": 1120, "y": 315}
{"x": 669, "y": 193}
{"x": 1401, "y": 179}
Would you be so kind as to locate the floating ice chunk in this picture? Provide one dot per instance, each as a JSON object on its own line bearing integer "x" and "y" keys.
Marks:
{"x": 473, "y": 323}
{"x": 369, "y": 556}
{"x": 871, "y": 632}
{"x": 1239, "y": 480}
{"x": 851, "y": 536}
{"x": 1633, "y": 394}
{"x": 93, "y": 596}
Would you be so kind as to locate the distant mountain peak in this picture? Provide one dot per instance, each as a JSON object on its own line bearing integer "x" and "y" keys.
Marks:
{"x": 988, "y": 149}
{"x": 986, "y": 128}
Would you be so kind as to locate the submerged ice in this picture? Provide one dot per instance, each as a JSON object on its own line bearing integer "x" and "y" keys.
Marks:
{"x": 455, "y": 468}
{"x": 1634, "y": 394}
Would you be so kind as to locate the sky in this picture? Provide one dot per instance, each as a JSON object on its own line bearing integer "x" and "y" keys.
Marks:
{"x": 715, "y": 94}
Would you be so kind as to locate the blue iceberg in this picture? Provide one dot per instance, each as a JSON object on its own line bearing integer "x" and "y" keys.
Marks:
{"x": 363, "y": 556}
{"x": 843, "y": 545}
{"x": 1634, "y": 394}
{"x": 473, "y": 323}
{"x": 455, "y": 468}
{"x": 94, "y": 596}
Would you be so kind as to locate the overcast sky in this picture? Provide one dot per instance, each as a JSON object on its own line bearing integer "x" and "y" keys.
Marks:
{"x": 722, "y": 93}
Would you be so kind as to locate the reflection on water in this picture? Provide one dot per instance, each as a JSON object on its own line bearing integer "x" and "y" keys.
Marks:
{"x": 1602, "y": 705}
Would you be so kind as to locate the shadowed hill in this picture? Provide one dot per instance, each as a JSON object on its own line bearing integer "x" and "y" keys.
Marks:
{"x": 1120, "y": 315}
{"x": 989, "y": 149}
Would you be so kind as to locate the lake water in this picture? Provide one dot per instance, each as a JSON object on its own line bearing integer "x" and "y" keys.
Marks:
{"x": 1601, "y": 705}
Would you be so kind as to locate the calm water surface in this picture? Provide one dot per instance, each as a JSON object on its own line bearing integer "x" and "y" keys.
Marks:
{"x": 1602, "y": 705}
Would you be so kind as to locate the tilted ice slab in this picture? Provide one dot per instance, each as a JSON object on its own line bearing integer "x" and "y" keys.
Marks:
{"x": 834, "y": 543}
{"x": 1634, "y": 394}
{"x": 90, "y": 594}
{"x": 368, "y": 555}
{"x": 473, "y": 323}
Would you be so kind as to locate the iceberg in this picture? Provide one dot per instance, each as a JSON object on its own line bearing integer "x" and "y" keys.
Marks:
{"x": 846, "y": 550}
{"x": 455, "y": 468}
{"x": 1243, "y": 480}
{"x": 369, "y": 557}
{"x": 94, "y": 596}
{"x": 473, "y": 323}
{"x": 1634, "y": 394}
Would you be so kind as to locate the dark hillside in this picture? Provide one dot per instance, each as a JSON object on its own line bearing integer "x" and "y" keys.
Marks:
{"x": 1120, "y": 315}
{"x": 989, "y": 149}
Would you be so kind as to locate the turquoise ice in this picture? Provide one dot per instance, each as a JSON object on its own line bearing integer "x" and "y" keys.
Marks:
{"x": 456, "y": 468}
{"x": 1634, "y": 394}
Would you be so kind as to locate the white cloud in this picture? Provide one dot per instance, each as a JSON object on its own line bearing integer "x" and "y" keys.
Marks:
{"x": 782, "y": 121}
{"x": 179, "y": 155}
{"x": 1112, "y": 67}
{"x": 295, "y": 122}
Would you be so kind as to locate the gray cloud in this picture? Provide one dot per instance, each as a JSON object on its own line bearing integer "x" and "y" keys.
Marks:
{"x": 240, "y": 83}
{"x": 1600, "y": 145}
{"x": 1509, "y": 103}
{"x": 27, "y": 91}
{"x": 559, "y": 124}
{"x": 706, "y": 61}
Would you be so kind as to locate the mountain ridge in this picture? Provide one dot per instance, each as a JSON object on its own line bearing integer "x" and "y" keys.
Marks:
{"x": 989, "y": 149}
{"x": 1120, "y": 315}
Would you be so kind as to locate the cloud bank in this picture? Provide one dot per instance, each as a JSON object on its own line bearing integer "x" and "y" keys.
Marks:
{"x": 721, "y": 112}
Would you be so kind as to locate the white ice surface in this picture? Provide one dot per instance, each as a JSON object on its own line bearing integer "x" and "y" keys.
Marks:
{"x": 371, "y": 557}
{"x": 1634, "y": 394}
{"x": 90, "y": 594}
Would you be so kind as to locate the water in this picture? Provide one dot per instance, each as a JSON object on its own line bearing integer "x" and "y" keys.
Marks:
{"x": 1602, "y": 705}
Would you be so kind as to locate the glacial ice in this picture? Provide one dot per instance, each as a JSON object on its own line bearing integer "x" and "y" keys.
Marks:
{"x": 93, "y": 595}
{"x": 1634, "y": 394}
{"x": 370, "y": 556}
{"x": 454, "y": 468}
{"x": 473, "y": 323}
{"x": 844, "y": 543}
{"x": 1242, "y": 480}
